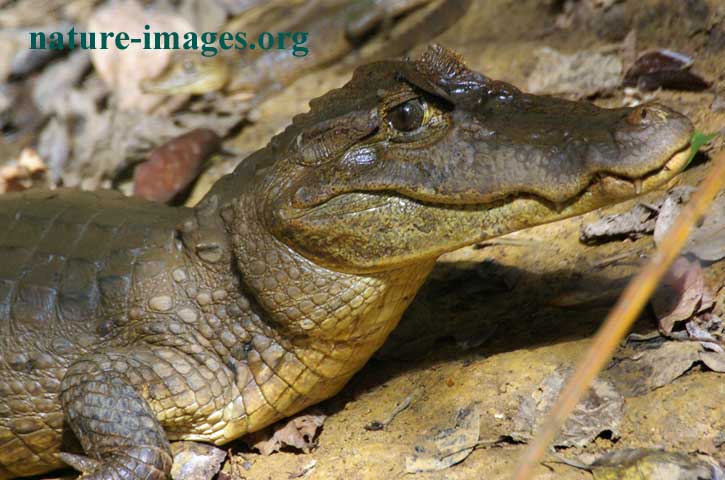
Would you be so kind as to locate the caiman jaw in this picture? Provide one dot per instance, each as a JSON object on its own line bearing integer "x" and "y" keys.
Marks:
{"x": 385, "y": 230}
{"x": 618, "y": 187}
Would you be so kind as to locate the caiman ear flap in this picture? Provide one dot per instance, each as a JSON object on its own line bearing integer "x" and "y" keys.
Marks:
{"x": 442, "y": 72}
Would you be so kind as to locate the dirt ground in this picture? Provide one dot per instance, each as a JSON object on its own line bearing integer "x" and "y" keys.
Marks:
{"x": 497, "y": 320}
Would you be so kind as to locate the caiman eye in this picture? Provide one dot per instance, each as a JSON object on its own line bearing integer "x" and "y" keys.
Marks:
{"x": 407, "y": 116}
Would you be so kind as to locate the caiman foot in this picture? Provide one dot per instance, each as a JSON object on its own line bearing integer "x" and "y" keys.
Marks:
{"x": 131, "y": 464}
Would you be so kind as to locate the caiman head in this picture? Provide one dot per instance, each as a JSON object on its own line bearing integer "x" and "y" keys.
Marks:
{"x": 412, "y": 159}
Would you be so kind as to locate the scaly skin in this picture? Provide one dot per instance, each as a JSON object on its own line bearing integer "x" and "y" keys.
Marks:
{"x": 125, "y": 324}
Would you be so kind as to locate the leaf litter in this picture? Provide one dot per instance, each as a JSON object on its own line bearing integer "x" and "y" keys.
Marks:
{"x": 299, "y": 432}
{"x": 195, "y": 461}
{"x": 449, "y": 446}
{"x": 662, "y": 68}
{"x": 600, "y": 411}
{"x": 707, "y": 241}
{"x": 650, "y": 464}
{"x": 124, "y": 70}
{"x": 581, "y": 75}
{"x": 24, "y": 173}
{"x": 682, "y": 293}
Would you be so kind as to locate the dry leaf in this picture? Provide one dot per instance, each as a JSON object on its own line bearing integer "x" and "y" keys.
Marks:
{"x": 297, "y": 432}
{"x": 707, "y": 241}
{"x": 54, "y": 145}
{"x": 28, "y": 171}
{"x": 195, "y": 461}
{"x": 448, "y": 447}
{"x": 654, "y": 368}
{"x": 123, "y": 70}
{"x": 651, "y": 464}
{"x": 715, "y": 361}
{"x": 663, "y": 68}
{"x": 680, "y": 294}
{"x": 600, "y": 411}
{"x": 582, "y": 74}
{"x": 52, "y": 89}
{"x": 633, "y": 224}
{"x": 707, "y": 329}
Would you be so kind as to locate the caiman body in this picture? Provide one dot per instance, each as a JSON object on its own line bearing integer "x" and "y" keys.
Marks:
{"x": 125, "y": 323}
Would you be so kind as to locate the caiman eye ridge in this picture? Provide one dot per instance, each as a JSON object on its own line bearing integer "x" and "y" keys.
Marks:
{"x": 408, "y": 116}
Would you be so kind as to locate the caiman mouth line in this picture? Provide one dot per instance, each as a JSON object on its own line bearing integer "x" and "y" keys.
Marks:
{"x": 602, "y": 183}
{"x": 651, "y": 180}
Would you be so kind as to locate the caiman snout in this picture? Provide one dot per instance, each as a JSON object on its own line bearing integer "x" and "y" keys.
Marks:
{"x": 547, "y": 148}
{"x": 655, "y": 148}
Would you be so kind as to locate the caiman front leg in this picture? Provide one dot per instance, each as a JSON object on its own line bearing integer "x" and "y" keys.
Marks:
{"x": 117, "y": 404}
{"x": 115, "y": 424}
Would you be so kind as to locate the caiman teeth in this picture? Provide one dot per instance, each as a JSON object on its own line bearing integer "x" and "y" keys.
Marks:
{"x": 638, "y": 186}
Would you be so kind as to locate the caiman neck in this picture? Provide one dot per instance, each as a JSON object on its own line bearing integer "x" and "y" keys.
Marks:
{"x": 307, "y": 300}
{"x": 344, "y": 316}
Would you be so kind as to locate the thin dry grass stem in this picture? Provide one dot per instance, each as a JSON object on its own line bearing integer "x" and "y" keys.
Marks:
{"x": 621, "y": 318}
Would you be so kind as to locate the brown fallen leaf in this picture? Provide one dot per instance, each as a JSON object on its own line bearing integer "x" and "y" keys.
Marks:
{"x": 19, "y": 117}
{"x": 663, "y": 68}
{"x": 124, "y": 70}
{"x": 651, "y": 464}
{"x": 28, "y": 171}
{"x": 715, "y": 361}
{"x": 709, "y": 330}
{"x": 53, "y": 86}
{"x": 449, "y": 446}
{"x": 631, "y": 224}
{"x": 54, "y": 145}
{"x": 581, "y": 75}
{"x": 707, "y": 241}
{"x": 195, "y": 461}
{"x": 655, "y": 217}
{"x": 172, "y": 167}
{"x": 680, "y": 295}
{"x": 654, "y": 367}
{"x": 669, "y": 207}
{"x": 600, "y": 411}
{"x": 297, "y": 432}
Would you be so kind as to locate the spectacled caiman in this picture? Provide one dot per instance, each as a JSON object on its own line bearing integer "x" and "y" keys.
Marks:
{"x": 127, "y": 324}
